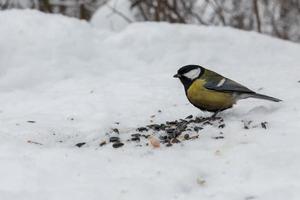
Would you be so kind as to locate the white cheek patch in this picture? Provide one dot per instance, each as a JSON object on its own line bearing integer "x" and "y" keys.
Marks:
{"x": 193, "y": 74}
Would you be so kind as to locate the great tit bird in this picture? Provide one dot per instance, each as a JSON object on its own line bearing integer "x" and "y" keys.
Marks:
{"x": 210, "y": 91}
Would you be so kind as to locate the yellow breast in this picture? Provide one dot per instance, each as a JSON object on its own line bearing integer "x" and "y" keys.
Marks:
{"x": 206, "y": 99}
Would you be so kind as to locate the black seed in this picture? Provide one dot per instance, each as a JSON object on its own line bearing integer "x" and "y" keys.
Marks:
{"x": 115, "y": 130}
{"x": 137, "y": 139}
{"x": 221, "y": 126}
{"x": 117, "y": 144}
{"x": 186, "y": 136}
{"x": 30, "y": 121}
{"x": 170, "y": 130}
{"x": 264, "y": 125}
{"x": 197, "y": 128}
{"x": 183, "y": 121}
{"x": 207, "y": 123}
{"x": 102, "y": 143}
{"x": 159, "y": 111}
{"x": 154, "y": 126}
{"x": 163, "y": 137}
{"x": 163, "y": 126}
{"x": 174, "y": 134}
{"x": 114, "y": 139}
{"x": 145, "y": 136}
{"x": 136, "y": 135}
{"x": 172, "y": 122}
{"x": 141, "y": 129}
{"x": 218, "y": 137}
{"x": 168, "y": 145}
{"x": 246, "y": 124}
{"x": 189, "y": 117}
{"x": 80, "y": 144}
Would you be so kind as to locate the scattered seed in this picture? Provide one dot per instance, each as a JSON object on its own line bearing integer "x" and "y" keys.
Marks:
{"x": 117, "y": 144}
{"x": 136, "y": 135}
{"x": 137, "y": 139}
{"x": 30, "y": 121}
{"x": 33, "y": 142}
{"x": 189, "y": 117}
{"x": 114, "y": 139}
{"x": 207, "y": 123}
{"x": 197, "y": 128}
{"x": 168, "y": 145}
{"x": 218, "y": 137}
{"x": 264, "y": 125}
{"x": 142, "y": 129}
{"x": 221, "y": 126}
{"x": 163, "y": 137}
{"x": 246, "y": 124}
{"x": 115, "y": 130}
{"x": 172, "y": 122}
{"x": 170, "y": 130}
{"x": 145, "y": 136}
{"x": 186, "y": 136}
{"x": 80, "y": 144}
{"x": 102, "y": 143}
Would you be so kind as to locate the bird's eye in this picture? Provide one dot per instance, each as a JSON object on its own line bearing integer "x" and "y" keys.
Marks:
{"x": 193, "y": 74}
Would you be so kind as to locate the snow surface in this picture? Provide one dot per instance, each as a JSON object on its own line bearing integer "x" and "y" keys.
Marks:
{"x": 76, "y": 81}
{"x": 115, "y": 15}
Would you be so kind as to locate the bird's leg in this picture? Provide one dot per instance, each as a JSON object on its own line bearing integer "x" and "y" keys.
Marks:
{"x": 214, "y": 115}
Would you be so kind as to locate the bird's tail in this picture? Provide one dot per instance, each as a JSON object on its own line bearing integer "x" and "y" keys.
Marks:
{"x": 265, "y": 97}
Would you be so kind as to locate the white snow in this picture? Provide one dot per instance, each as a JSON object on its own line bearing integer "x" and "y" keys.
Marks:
{"x": 76, "y": 81}
{"x": 114, "y": 15}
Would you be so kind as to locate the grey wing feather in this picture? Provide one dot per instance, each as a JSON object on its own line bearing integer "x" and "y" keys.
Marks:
{"x": 227, "y": 85}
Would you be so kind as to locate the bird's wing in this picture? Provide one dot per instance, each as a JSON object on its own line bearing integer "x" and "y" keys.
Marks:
{"x": 219, "y": 83}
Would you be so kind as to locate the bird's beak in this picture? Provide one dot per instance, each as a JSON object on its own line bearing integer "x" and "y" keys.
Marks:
{"x": 177, "y": 76}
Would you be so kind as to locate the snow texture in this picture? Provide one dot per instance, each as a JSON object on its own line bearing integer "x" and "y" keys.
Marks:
{"x": 115, "y": 15}
{"x": 64, "y": 81}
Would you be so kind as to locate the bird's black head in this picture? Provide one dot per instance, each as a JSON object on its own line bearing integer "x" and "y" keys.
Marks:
{"x": 188, "y": 74}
